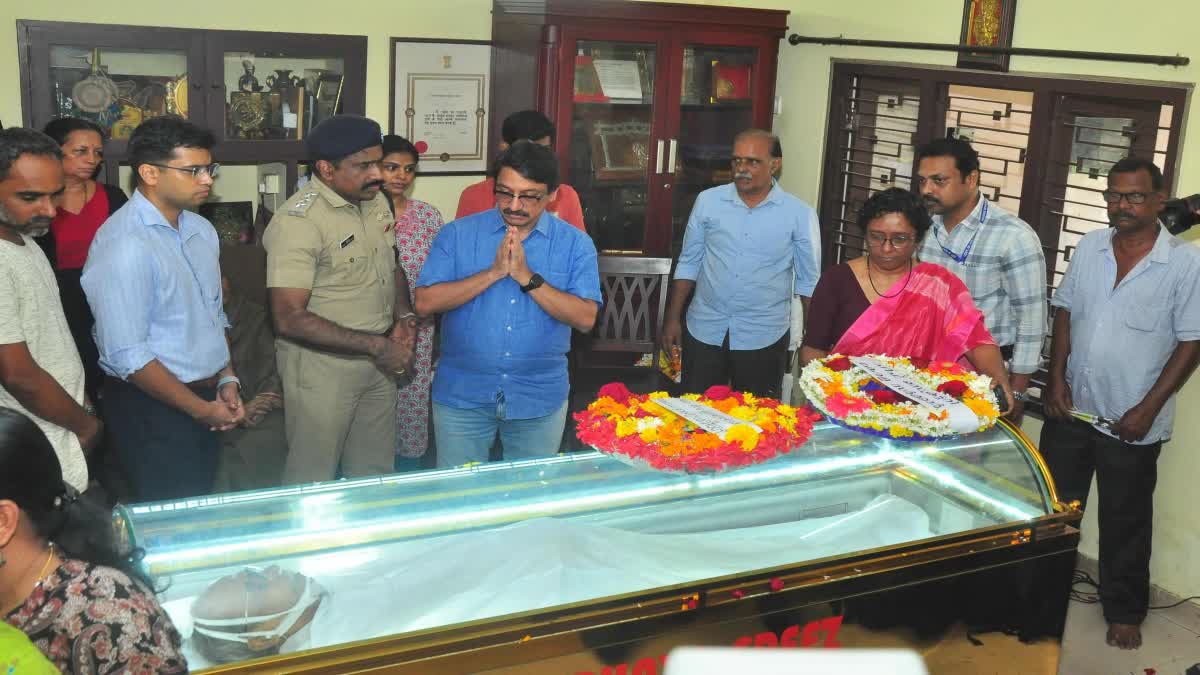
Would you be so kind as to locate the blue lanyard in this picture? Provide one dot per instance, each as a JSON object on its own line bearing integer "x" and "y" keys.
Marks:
{"x": 961, "y": 258}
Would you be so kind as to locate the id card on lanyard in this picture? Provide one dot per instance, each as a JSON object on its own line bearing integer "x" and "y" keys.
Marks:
{"x": 961, "y": 258}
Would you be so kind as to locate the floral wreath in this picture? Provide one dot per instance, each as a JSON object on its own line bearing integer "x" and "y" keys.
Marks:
{"x": 849, "y": 396}
{"x": 635, "y": 427}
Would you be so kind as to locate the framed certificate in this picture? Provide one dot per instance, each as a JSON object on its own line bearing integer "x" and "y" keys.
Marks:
{"x": 439, "y": 102}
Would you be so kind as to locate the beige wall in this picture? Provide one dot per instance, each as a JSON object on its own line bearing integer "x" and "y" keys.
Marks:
{"x": 803, "y": 86}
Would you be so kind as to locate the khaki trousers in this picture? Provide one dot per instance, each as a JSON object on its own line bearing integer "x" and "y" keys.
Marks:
{"x": 339, "y": 411}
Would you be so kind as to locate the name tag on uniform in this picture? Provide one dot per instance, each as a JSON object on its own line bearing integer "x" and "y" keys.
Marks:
{"x": 347, "y": 241}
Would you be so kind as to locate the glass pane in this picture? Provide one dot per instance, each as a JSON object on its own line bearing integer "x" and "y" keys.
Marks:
{"x": 996, "y": 122}
{"x": 118, "y": 88}
{"x": 874, "y": 145}
{"x": 273, "y": 96}
{"x": 573, "y": 528}
{"x": 610, "y": 140}
{"x": 716, "y": 97}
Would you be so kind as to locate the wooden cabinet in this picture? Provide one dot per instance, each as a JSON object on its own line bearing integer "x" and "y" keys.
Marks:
{"x": 646, "y": 98}
{"x": 259, "y": 92}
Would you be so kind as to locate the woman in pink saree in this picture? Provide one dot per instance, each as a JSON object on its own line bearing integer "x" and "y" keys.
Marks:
{"x": 887, "y": 302}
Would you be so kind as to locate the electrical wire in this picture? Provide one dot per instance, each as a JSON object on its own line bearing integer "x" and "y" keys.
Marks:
{"x": 1091, "y": 597}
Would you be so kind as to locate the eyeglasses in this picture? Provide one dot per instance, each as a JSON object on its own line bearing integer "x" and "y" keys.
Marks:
{"x": 210, "y": 170}
{"x": 1114, "y": 197}
{"x": 879, "y": 239}
{"x": 527, "y": 201}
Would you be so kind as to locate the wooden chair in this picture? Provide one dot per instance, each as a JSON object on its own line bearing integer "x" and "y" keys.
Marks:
{"x": 628, "y": 325}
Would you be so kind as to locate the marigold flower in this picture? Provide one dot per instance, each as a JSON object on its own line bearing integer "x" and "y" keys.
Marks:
{"x": 743, "y": 434}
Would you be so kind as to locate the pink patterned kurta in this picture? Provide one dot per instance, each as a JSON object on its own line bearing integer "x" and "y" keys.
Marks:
{"x": 415, "y": 231}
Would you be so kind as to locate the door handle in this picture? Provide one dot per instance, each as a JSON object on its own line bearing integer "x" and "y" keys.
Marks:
{"x": 671, "y": 161}
{"x": 658, "y": 157}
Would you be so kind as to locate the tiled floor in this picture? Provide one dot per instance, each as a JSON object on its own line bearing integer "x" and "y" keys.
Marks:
{"x": 1168, "y": 648}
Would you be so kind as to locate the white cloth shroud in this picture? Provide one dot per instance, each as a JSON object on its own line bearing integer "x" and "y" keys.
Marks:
{"x": 543, "y": 562}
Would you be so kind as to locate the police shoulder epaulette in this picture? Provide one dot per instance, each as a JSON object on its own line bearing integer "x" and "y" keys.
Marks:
{"x": 301, "y": 207}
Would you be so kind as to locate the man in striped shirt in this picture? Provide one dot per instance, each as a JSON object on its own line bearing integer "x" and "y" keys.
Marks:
{"x": 996, "y": 254}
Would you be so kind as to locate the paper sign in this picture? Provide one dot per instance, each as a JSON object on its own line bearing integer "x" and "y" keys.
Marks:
{"x": 902, "y": 384}
{"x": 709, "y": 419}
{"x": 962, "y": 419}
{"x": 619, "y": 79}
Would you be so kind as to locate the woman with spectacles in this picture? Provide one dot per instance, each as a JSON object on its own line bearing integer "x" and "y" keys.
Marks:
{"x": 64, "y": 581}
{"x": 417, "y": 225}
{"x": 86, "y": 204}
{"x": 888, "y": 302}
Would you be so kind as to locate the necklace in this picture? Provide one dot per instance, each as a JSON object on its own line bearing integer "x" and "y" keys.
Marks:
{"x": 872, "y": 281}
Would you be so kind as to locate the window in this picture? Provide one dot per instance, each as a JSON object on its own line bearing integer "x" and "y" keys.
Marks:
{"x": 1045, "y": 145}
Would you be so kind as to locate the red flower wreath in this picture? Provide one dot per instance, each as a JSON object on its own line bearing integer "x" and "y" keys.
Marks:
{"x": 630, "y": 425}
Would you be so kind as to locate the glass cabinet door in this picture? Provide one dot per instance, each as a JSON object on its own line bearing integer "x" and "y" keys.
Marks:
{"x": 118, "y": 88}
{"x": 276, "y": 96}
{"x": 269, "y": 90}
{"x": 116, "y": 76}
{"x": 716, "y": 101}
{"x": 612, "y": 136}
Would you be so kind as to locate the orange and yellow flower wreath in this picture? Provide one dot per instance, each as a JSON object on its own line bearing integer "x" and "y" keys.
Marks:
{"x": 634, "y": 426}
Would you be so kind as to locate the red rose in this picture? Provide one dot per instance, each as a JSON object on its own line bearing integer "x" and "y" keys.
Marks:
{"x": 955, "y": 388}
{"x": 921, "y": 364}
{"x": 616, "y": 391}
{"x": 718, "y": 392}
{"x": 882, "y": 396}
{"x": 839, "y": 364}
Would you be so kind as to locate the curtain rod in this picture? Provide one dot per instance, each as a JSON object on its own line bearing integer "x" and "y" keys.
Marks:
{"x": 1013, "y": 51}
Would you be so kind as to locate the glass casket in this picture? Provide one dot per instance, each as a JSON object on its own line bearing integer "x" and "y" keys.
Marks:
{"x": 581, "y": 563}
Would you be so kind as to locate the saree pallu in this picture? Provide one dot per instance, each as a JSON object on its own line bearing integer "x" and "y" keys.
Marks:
{"x": 932, "y": 318}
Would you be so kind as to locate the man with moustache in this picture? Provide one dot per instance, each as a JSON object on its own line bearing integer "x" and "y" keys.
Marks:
{"x": 41, "y": 374}
{"x": 340, "y": 306}
{"x": 1126, "y": 339}
{"x": 996, "y": 254}
{"x": 512, "y": 282}
{"x": 153, "y": 281}
{"x": 749, "y": 246}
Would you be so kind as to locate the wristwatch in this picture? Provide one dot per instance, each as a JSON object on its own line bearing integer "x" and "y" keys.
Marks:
{"x": 535, "y": 281}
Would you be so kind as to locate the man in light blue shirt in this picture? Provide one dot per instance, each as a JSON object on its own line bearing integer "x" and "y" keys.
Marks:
{"x": 512, "y": 282}
{"x": 1126, "y": 339}
{"x": 748, "y": 248}
{"x": 153, "y": 281}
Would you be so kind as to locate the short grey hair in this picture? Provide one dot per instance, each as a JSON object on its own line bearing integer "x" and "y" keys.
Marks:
{"x": 772, "y": 140}
{"x": 19, "y": 141}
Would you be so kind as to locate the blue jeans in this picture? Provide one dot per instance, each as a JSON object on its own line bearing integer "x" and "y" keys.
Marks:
{"x": 465, "y": 435}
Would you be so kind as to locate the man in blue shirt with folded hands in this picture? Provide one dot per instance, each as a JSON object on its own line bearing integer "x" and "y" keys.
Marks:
{"x": 153, "y": 281}
{"x": 749, "y": 246}
{"x": 512, "y": 282}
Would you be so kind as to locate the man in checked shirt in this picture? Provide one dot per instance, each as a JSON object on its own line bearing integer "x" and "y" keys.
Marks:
{"x": 996, "y": 254}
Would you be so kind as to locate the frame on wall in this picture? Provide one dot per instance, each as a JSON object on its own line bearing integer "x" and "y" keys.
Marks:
{"x": 987, "y": 23}
{"x": 440, "y": 92}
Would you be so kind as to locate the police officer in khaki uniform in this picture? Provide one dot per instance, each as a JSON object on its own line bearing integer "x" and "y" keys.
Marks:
{"x": 341, "y": 310}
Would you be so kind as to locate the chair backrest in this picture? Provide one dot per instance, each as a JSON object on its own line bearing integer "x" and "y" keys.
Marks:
{"x": 635, "y": 298}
